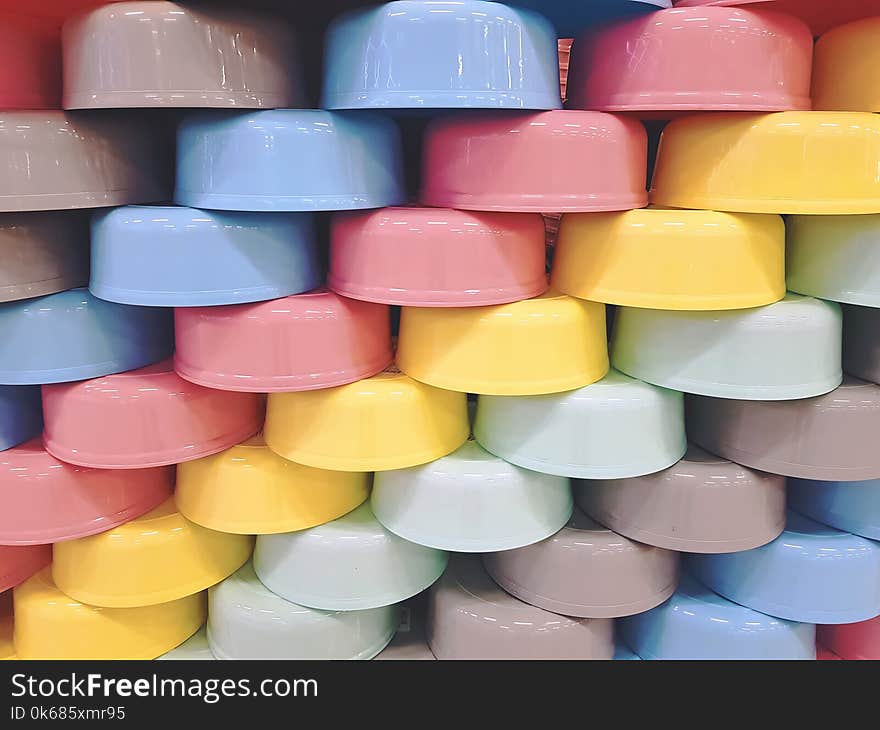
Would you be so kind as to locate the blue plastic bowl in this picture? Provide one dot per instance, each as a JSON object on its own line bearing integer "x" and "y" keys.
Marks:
{"x": 698, "y": 624}
{"x": 417, "y": 55}
{"x": 850, "y": 506}
{"x": 573, "y": 16}
{"x": 810, "y": 573}
{"x": 288, "y": 160}
{"x": 74, "y": 336}
{"x": 21, "y": 414}
{"x": 169, "y": 256}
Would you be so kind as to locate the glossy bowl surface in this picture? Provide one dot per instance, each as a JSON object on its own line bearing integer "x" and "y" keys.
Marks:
{"x": 248, "y": 621}
{"x": 556, "y": 161}
{"x": 693, "y": 59}
{"x": 671, "y": 259}
{"x": 158, "y": 557}
{"x": 548, "y": 344}
{"x": 617, "y": 427}
{"x": 350, "y": 564}
{"x": 72, "y": 335}
{"x": 815, "y": 163}
{"x": 288, "y": 160}
{"x": 471, "y": 501}
{"x": 413, "y": 55}
{"x": 787, "y": 350}
{"x": 171, "y": 256}
{"x": 437, "y": 257}
{"x": 810, "y": 573}
{"x": 829, "y": 437}
{"x": 166, "y": 54}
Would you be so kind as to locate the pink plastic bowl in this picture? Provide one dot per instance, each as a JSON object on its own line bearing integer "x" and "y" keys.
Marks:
{"x": 557, "y": 161}
{"x": 44, "y": 500}
{"x": 20, "y": 562}
{"x": 437, "y": 257}
{"x": 820, "y": 15}
{"x": 852, "y": 641}
{"x": 30, "y": 64}
{"x": 690, "y": 59}
{"x": 302, "y": 342}
{"x": 143, "y": 418}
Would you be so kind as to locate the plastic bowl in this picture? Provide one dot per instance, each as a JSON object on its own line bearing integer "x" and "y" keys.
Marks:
{"x": 250, "y": 490}
{"x": 544, "y": 345}
{"x": 304, "y": 342}
{"x": 835, "y": 257}
{"x": 350, "y": 564}
{"x": 158, "y": 557}
{"x": 672, "y": 259}
{"x": 181, "y": 257}
{"x": 430, "y": 257}
{"x": 288, "y": 159}
{"x": 557, "y": 161}
{"x": 194, "y": 648}
{"x": 30, "y": 71}
{"x": 820, "y": 15}
{"x": 702, "y": 504}
{"x": 56, "y": 160}
{"x": 21, "y": 416}
{"x": 693, "y": 59}
{"x": 586, "y": 570}
{"x": 73, "y": 336}
{"x": 843, "y": 77}
{"x": 44, "y": 500}
{"x": 416, "y": 55}
{"x": 810, "y": 573}
{"x": 42, "y": 253}
{"x": 470, "y": 617}
{"x": 787, "y": 350}
{"x": 248, "y": 621}
{"x": 852, "y": 641}
{"x": 20, "y": 562}
{"x": 861, "y": 348}
{"x": 52, "y": 625}
{"x": 142, "y": 418}
{"x": 789, "y": 162}
{"x": 572, "y": 16}
{"x": 150, "y": 54}
{"x": 614, "y": 428}
{"x": 471, "y": 501}
{"x": 849, "y": 506}
{"x": 7, "y": 627}
{"x": 385, "y": 422}
{"x": 829, "y": 437}
{"x": 699, "y": 624}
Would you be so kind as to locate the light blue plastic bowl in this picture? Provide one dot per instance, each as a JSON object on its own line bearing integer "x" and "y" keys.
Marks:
{"x": 810, "y": 573}
{"x": 21, "y": 414}
{"x": 288, "y": 160}
{"x": 171, "y": 256}
{"x": 698, "y": 624}
{"x": 74, "y": 336}
{"x": 850, "y": 506}
{"x": 573, "y": 16}
{"x": 417, "y": 55}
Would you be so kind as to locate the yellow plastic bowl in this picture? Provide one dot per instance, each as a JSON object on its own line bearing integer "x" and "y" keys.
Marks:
{"x": 845, "y": 68}
{"x": 51, "y": 625}
{"x": 250, "y": 490}
{"x": 156, "y": 558}
{"x": 7, "y": 647}
{"x": 385, "y": 422}
{"x": 662, "y": 258}
{"x": 790, "y": 162}
{"x": 548, "y": 344}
